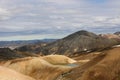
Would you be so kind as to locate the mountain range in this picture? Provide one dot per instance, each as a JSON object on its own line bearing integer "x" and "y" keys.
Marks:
{"x": 78, "y": 42}
{"x": 18, "y": 43}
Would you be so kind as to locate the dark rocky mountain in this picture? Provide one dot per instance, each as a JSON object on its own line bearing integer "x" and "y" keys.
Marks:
{"x": 81, "y": 41}
{"x": 7, "y": 54}
{"x": 31, "y": 48}
{"x": 78, "y": 42}
{"x": 117, "y": 33}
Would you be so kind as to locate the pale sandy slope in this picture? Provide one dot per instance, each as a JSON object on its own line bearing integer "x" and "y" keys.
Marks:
{"x": 8, "y": 74}
{"x": 41, "y": 68}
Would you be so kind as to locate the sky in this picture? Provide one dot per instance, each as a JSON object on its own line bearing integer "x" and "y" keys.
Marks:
{"x": 40, "y": 19}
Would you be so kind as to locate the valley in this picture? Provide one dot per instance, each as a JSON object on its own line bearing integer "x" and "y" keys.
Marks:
{"x": 82, "y": 55}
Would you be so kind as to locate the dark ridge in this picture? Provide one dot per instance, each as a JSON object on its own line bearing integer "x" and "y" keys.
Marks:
{"x": 80, "y": 33}
{"x": 117, "y": 33}
{"x": 7, "y": 54}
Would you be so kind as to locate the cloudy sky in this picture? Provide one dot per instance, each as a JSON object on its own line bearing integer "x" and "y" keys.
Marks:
{"x": 39, "y": 19}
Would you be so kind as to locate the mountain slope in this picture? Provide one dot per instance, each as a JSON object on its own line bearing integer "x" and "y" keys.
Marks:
{"x": 81, "y": 41}
{"x": 8, "y": 74}
{"x": 41, "y": 68}
{"x": 105, "y": 66}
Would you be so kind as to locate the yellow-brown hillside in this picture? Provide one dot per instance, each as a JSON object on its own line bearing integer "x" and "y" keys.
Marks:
{"x": 8, "y": 74}
{"x": 41, "y": 68}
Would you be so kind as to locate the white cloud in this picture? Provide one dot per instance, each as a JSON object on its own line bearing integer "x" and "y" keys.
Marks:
{"x": 4, "y": 14}
{"x": 62, "y": 2}
{"x": 56, "y": 17}
{"x": 115, "y": 20}
{"x": 3, "y": 11}
{"x": 100, "y": 18}
{"x": 48, "y": 16}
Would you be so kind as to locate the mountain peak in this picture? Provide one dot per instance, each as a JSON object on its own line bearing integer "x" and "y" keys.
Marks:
{"x": 81, "y": 33}
{"x": 84, "y": 32}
